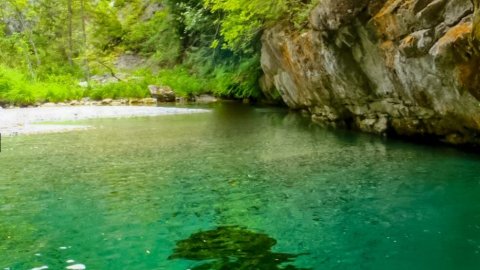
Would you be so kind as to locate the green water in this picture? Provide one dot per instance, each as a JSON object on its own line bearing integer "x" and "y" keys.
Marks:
{"x": 237, "y": 188}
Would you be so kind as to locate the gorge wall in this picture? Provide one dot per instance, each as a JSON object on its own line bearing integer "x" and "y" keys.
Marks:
{"x": 404, "y": 67}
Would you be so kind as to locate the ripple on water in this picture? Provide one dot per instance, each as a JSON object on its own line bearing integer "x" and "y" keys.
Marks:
{"x": 132, "y": 192}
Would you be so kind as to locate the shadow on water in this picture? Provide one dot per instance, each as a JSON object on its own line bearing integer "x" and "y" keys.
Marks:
{"x": 232, "y": 247}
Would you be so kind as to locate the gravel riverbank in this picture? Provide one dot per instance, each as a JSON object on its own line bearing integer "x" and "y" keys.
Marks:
{"x": 26, "y": 120}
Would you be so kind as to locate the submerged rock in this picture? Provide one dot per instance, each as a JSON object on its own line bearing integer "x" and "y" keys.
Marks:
{"x": 233, "y": 247}
{"x": 204, "y": 99}
{"x": 409, "y": 68}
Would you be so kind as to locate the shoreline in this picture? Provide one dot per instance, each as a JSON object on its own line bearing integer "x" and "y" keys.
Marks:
{"x": 20, "y": 121}
{"x": 200, "y": 99}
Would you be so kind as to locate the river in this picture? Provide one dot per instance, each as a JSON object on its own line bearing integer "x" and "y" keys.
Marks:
{"x": 240, "y": 187}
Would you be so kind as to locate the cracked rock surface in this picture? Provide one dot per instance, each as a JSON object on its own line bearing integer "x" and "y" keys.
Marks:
{"x": 403, "y": 67}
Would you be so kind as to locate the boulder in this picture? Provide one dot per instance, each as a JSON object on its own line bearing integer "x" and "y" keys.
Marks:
{"x": 129, "y": 61}
{"x": 162, "y": 93}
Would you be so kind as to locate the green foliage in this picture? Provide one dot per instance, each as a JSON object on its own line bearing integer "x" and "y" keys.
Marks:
{"x": 16, "y": 88}
{"x": 182, "y": 81}
{"x": 107, "y": 31}
{"x": 197, "y": 46}
{"x": 9, "y": 47}
{"x": 244, "y": 19}
{"x": 118, "y": 90}
{"x": 148, "y": 38}
{"x": 136, "y": 88}
{"x": 239, "y": 81}
{"x": 300, "y": 11}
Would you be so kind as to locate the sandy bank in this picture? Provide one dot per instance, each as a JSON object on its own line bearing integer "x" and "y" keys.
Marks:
{"x": 25, "y": 120}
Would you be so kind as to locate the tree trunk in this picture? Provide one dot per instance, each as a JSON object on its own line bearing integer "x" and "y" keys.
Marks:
{"x": 34, "y": 48}
{"x": 30, "y": 40}
{"x": 29, "y": 35}
{"x": 84, "y": 37}
{"x": 70, "y": 32}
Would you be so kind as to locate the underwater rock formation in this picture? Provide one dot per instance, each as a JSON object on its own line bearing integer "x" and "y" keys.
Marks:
{"x": 232, "y": 247}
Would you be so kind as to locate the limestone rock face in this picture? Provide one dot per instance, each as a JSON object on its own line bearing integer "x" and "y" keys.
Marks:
{"x": 404, "y": 67}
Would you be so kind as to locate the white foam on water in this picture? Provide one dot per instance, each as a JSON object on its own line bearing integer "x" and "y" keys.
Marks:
{"x": 70, "y": 261}
{"x": 76, "y": 267}
{"x": 40, "y": 268}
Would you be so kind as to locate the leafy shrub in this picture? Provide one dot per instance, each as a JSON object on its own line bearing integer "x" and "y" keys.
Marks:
{"x": 183, "y": 82}
{"x": 125, "y": 89}
{"x": 16, "y": 88}
{"x": 155, "y": 37}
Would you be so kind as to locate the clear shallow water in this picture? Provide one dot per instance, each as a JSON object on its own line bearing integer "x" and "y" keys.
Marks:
{"x": 238, "y": 188}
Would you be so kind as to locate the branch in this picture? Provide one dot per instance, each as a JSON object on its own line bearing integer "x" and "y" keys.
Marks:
{"x": 112, "y": 72}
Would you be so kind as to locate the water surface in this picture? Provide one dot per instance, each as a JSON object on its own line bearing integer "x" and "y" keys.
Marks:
{"x": 237, "y": 188}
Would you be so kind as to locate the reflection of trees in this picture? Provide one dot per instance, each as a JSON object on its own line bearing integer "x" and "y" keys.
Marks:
{"x": 233, "y": 248}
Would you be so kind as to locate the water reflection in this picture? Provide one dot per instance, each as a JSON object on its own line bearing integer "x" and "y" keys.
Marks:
{"x": 233, "y": 247}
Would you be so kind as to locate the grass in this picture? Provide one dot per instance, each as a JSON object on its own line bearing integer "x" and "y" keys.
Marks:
{"x": 182, "y": 82}
{"x": 137, "y": 88}
{"x": 17, "y": 89}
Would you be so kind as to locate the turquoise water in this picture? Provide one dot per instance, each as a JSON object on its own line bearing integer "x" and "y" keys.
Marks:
{"x": 237, "y": 188}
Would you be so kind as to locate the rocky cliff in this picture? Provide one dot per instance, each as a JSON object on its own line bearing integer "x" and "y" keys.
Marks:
{"x": 404, "y": 67}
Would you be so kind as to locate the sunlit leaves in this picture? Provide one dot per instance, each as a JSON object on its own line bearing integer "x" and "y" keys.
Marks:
{"x": 244, "y": 19}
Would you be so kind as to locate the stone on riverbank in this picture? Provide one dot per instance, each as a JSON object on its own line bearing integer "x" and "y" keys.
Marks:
{"x": 162, "y": 93}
